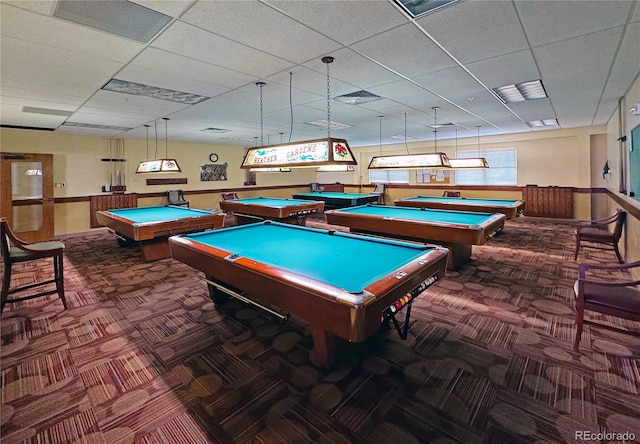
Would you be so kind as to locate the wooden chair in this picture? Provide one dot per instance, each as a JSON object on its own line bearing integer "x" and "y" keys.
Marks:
{"x": 177, "y": 198}
{"x": 316, "y": 187}
{"x": 14, "y": 251}
{"x": 229, "y": 196}
{"x": 451, "y": 194}
{"x": 619, "y": 298}
{"x": 597, "y": 232}
{"x": 379, "y": 191}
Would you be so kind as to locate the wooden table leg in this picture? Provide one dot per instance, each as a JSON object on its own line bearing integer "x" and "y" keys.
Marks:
{"x": 324, "y": 345}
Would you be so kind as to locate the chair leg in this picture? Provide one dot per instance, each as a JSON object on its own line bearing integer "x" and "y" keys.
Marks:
{"x": 6, "y": 281}
{"x": 575, "y": 257}
{"x": 579, "y": 325}
{"x": 618, "y": 255}
{"x": 58, "y": 266}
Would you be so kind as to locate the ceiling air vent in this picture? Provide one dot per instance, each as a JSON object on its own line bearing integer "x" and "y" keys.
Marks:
{"x": 358, "y": 97}
{"x": 120, "y": 17}
{"x": 215, "y": 130}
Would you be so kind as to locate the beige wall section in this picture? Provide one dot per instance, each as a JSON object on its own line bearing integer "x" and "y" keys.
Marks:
{"x": 77, "y": 162}
{"x": 621, "y": 123}
{"x": 550, "y": 157}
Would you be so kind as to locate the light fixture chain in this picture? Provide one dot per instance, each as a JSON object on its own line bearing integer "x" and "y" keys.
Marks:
{"x": 435, "y": 128}
{"x": 328, "y": 103}
{"x": 261, "y": 84}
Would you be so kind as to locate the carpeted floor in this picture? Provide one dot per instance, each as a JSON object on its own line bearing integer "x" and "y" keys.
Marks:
{"x": 143, "y": 356}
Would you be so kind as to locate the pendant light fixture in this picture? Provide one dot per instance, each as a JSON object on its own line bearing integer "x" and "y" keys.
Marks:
{"x": 472, "y": 162}
{"x": 265, "y": 169}
{"x": 408, "y": 161}
{"x": 163, "y": 165}
{"x": 309, "y": 153}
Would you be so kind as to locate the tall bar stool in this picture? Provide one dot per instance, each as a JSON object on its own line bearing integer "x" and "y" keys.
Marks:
{"x": 15, "y": 251}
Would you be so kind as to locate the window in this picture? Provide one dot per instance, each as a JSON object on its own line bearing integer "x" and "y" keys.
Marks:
{"x": 388, "y": 176}
{"x": 502, "y": 168}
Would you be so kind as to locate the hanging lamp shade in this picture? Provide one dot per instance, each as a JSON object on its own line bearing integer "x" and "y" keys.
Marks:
{"x": 470, "y": 163}
{"x": 335, "y": 168}
{"x": 309, "y": 153}
{"x": 410, "y": 161}
{"x": 164, "y": 165}
{"x": 158, "y": 166}
{"x": 269, "y": 170}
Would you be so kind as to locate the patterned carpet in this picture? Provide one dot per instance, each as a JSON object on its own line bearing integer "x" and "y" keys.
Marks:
{"x": 143, "y": 356}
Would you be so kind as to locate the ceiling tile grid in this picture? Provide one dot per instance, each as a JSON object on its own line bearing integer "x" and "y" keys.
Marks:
{"x": 586, "y": 54}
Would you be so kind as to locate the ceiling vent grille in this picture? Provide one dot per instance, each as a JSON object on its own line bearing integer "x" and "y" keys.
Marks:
{"x": 358, "y": 97}
{"x": 120, "y": 17}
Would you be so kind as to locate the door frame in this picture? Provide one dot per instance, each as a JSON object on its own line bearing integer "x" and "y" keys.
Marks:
{"x": 7, "y": 203}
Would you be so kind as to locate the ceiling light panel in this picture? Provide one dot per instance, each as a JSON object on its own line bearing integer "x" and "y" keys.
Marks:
{"x": 48, "y": 111}
{"x": 94, "y": 126}
{"x": 323, "y": 124}
{"x": 419, "y": 8}
{"x": 120, "y": 17}
{"x": 520, "y": 92}
{"x": 138, "y": 89}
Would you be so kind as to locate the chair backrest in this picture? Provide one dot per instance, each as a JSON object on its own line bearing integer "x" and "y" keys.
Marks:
{"x": 5, "y": 237}
{"x": 315, "y": 187}
{"x": 175, "y": 196}
{"x": 379, "y": 188}
{"x": 621, "y": 215}
{"x": 229, "y": 196}
{"x": 451, "y": 194}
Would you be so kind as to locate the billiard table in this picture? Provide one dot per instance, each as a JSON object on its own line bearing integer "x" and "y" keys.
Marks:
{"x": 341, "y": 284}
{"x": 255, "y": 209}
{"x": 456, "y": 230}
{"x": 338, "y": 200}
{"x": 510, "y": 208}
{"x": 152, "y": 226}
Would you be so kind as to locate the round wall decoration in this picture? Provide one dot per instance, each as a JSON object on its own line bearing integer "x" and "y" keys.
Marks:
{"x": 213, "y": 157}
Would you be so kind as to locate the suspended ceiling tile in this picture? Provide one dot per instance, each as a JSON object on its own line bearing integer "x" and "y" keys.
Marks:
{"x": 271, "y": 32}
{"x": 12, "y": 115}
{"x": 577, "y": 104}
{"x": 54, "y": 100}
{"x": 492, "y": 27}
{"x": 29, "y": 87}
{"x": 406, "y": 50}
{"x": 62, "y": 66}
{"x": 198, "y": 44}
{"x": 336, "y": 19}
{"x": 506, "y": 69}
{"x": 45, "y": 7}
{"x": 187, "y": 68}
{"x": 561, "y": 20}
{"x": 56, "y": 33}
{"x": 173, "y": 8}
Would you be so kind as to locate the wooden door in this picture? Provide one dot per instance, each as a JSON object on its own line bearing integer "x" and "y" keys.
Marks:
{"x": 26, "y": 195}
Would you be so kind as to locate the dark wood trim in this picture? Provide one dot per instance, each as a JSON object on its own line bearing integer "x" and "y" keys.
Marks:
{"x": 624, "y": 204}
{"x": 171, "y": 181}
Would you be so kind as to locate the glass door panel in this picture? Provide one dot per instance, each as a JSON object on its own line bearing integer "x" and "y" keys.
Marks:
{"x": 27, "y": 196}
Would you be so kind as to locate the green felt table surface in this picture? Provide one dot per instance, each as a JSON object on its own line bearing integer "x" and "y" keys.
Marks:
{"x": 420, "y": 214}
{"x": 271, "y": 201}
{"x": 333, "y": 195}
{"x": 343, "y": 260}
{"x": 141, "y": 215}
{"x": 465, "y": 200}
